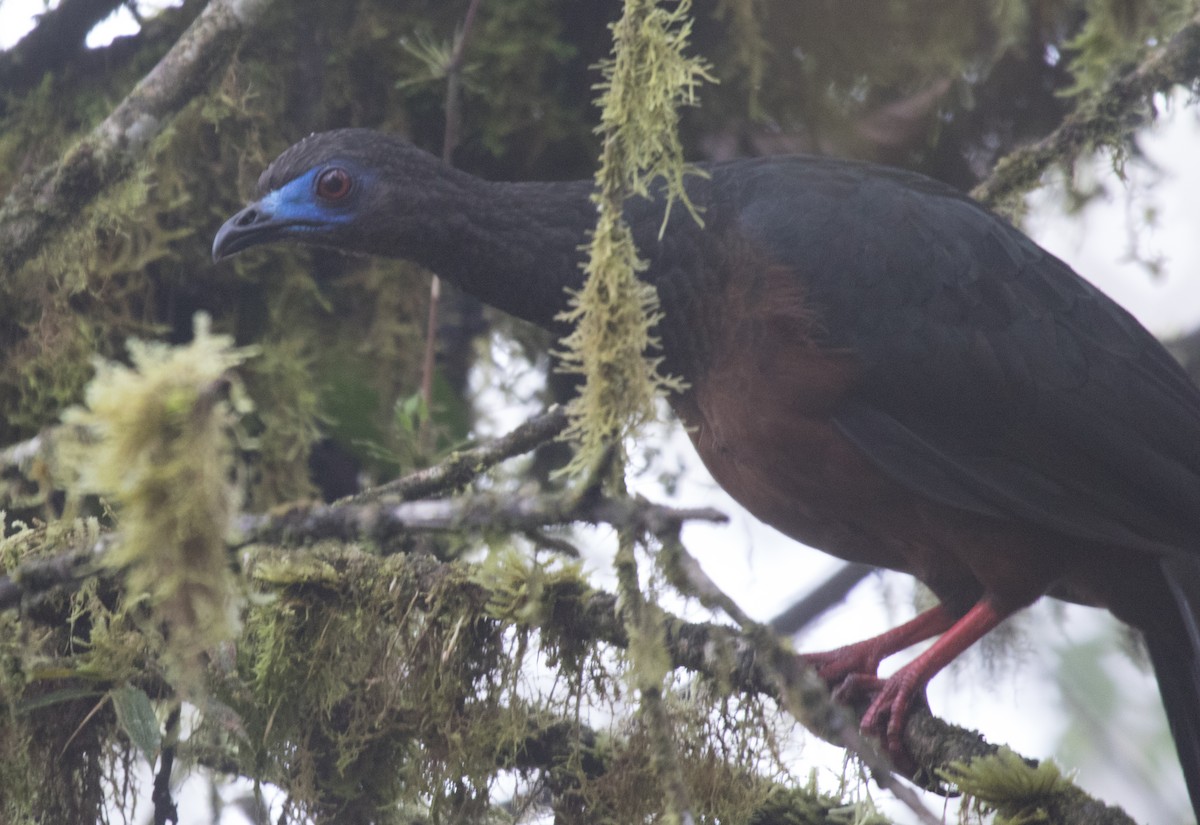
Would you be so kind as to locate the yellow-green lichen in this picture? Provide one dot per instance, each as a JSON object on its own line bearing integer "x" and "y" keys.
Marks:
{"x": 647, "y": 79}
{"x": 1021, "y": 794}
{"x": 159, "y": 449}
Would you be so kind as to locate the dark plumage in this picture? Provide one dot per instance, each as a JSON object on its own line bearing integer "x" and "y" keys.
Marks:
{"x": 878, "y": 367}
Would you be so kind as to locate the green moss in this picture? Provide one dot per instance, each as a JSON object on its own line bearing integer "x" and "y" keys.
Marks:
{"x": 519, "y": 584}
{"x": 288, "y": 403}
{"x": 808, "y": 805}
{"x": 59, "y": 747}
{"x": 371, "y": 683}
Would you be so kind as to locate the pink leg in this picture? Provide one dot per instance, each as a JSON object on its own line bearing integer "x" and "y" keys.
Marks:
{"x": 891, "y": 704}
{"x": 863, "y": 658}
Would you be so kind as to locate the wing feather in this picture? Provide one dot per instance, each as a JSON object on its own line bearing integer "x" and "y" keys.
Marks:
{"x": 995, "y": 379}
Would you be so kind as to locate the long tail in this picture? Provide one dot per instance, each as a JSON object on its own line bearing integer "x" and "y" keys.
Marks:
{"x": 1177, "y": 666}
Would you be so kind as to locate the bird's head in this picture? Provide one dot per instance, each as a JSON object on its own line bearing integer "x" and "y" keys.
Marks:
{"x": 353, "y": 189}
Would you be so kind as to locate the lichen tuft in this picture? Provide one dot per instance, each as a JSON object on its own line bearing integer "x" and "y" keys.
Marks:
{"x": 158, "y": 448}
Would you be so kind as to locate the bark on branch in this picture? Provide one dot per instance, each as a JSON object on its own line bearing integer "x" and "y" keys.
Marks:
{"x": 460, "y": 468}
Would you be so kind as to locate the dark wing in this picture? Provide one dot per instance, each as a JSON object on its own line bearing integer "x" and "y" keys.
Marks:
{"x": 995, "y": 378}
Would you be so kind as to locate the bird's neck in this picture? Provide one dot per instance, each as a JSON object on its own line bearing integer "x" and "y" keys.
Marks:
{"x": 515, "y": 246}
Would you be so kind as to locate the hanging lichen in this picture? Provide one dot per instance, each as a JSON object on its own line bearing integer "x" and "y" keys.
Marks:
{"x": 159, "y": 449}
{"x": 748, "y": 46}
{"x": 646, "y": 80}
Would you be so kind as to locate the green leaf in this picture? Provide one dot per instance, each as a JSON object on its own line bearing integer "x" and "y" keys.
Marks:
{"x": 56, "y": 697}
{"x": 136, "y": 717}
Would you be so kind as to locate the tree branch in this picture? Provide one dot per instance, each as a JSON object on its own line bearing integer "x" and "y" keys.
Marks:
{"x": 1103, "y": 119}
{"x": 734, "y": 659}
{"x": 42, "y": 202}
{"x": 822, "y": 597}
{"x": 450, "y": 140}
{"x": 462, "y": 467}
{"x": 37, "y": 579}
{"x": 308, "y": 523}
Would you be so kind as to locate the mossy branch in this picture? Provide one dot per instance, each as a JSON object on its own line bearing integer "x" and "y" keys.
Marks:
{"x": 1025, "y": 792}
{"x": 578, "y": 617}
{"x": 1104, "y": 119}
{"x": 30, "y": 469}
{"x": 43, "y": 202}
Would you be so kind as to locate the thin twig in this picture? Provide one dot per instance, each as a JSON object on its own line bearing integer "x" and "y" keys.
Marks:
{"x": 164, "y": 806}
{"x": 818, "y": 600}
{"x": 454, "y": 69}
{"x": 450, "y": 140}
{"x": 309, "y": 523}
{"x": 460, "y": 468}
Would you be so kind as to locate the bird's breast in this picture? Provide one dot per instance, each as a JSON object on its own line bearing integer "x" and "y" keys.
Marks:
{"x": 762, "y": 428}
{"x": 759, "y": 411}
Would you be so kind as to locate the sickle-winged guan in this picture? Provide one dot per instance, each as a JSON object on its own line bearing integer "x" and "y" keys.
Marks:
{"x": 876, "y": 366}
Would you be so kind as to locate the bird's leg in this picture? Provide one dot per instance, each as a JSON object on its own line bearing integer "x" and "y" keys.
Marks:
{"x": 888, "y": 711}
{"x": 863, "y": 658}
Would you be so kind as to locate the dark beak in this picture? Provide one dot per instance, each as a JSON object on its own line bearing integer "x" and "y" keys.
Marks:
{"x": 256, "y": 224}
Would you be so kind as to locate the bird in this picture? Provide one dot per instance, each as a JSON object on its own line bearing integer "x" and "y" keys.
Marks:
{"x": 873, "y": 363}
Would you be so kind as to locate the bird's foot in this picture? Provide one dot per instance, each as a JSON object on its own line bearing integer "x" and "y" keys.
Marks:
{"x": 862, "y": 658}
{"x": 888, "y": 703}
{"x": 887, "y": 715}
{"x": 857, "y": 689}
{"x": 843, "y": 663}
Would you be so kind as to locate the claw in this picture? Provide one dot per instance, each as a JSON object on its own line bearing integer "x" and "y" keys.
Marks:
{"x": 887, "y": 715}
{"x": 836, "y": 666}
{"x": 857, "y": 687}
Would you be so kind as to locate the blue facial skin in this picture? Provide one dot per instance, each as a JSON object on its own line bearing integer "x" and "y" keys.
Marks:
{"x": 293, "y": 210}
{"x": 297, "y": 203}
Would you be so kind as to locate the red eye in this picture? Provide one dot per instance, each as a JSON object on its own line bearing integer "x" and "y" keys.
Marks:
{"x": 333, "y": 184}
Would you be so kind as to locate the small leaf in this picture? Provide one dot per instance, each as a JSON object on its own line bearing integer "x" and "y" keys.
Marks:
{"x": 56, "y": 697}
{"x": 136, "y": 717}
